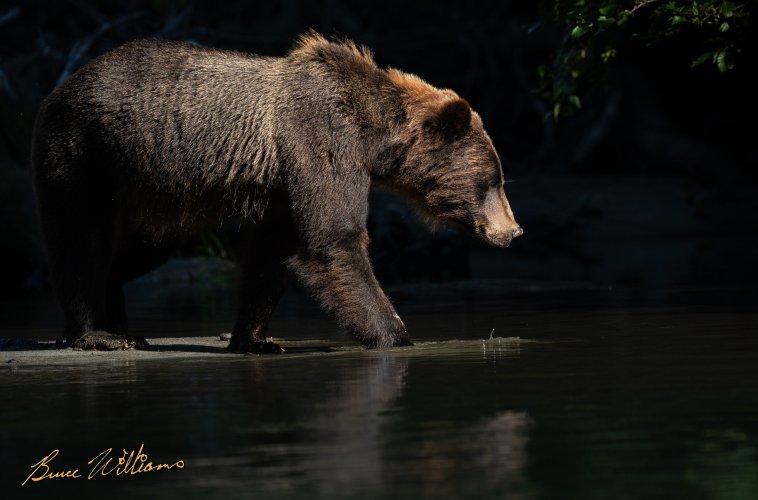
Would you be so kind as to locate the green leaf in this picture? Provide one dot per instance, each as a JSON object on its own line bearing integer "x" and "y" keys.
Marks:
{"x": 556, "y": 111}
{"x": 727, "y": 9}
{"x": 607, "y": 10}
{"x": 702, "y": 58}
{"x": 608, "y": 54}
{"x": 573, "y": 99}
{"x": 677, "y": 20}
{"x": 724, "y": 27}
{"x": 724, "y": 61}
{"x": 578, "y": 31}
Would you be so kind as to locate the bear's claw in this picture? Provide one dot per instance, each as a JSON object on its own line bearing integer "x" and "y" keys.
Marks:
{"x": 257, "y": 347}
{"x": 102, "y": 341}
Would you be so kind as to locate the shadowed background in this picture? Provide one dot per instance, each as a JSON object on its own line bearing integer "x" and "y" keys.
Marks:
{"x": 612, "y": 381}
{"x": 652, "y": 182}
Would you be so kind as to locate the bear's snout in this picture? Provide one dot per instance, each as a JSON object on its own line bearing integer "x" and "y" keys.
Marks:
{"x": 504, "y": 238}
{"x": 498, "y": 226}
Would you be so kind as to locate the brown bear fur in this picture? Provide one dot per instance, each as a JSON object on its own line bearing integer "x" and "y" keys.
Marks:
{"x": 157, "y": 139}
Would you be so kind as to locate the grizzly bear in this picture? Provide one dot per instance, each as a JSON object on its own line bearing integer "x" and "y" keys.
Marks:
{"x": 158, "y": 139}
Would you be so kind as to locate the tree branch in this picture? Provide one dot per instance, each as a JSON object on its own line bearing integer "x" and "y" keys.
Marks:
{"x": 80, "y": 48}
{"x": 10, "y": 14}
{"x": 641, "y": 4}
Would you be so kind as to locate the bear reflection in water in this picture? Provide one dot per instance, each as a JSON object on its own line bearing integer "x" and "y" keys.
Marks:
{"x": 156, "y": 140}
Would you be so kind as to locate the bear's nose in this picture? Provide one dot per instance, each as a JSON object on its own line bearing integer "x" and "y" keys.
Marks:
{"x": 517, "y": 232}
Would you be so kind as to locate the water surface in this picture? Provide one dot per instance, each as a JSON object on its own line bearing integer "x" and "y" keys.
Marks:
{"x": 585, "y": 394}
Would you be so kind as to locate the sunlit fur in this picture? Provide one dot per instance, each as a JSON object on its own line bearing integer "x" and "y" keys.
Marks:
{"x": 156, "y": 140}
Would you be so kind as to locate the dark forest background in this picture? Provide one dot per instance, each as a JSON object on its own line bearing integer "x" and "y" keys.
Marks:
{"x": 646, "y": 177}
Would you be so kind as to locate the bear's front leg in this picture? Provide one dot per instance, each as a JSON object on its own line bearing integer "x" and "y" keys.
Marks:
{"x": 264, "y": 279}
{"x": 341, "y": 276}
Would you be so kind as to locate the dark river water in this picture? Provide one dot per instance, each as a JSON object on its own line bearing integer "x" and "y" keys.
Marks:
{"x": 579, "y": 394}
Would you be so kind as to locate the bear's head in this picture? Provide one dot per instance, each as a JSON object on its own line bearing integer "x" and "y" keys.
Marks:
{"x": 451, "y": 171}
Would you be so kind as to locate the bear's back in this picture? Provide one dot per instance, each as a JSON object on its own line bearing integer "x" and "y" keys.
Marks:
{"x": 150, "y": 77}
{"x": 178, "y": 120}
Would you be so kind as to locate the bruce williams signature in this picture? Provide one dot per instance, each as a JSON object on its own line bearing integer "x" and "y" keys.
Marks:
{"x": 103, "y": 464}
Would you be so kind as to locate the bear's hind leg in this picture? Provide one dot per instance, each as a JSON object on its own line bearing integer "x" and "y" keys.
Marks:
{"x": 79, "y": 232}
{"x": 78, "y": 271}
{"x": 115, "y": 338}
{"x": 80, "y": 279}
{"x": 114, "y": 335}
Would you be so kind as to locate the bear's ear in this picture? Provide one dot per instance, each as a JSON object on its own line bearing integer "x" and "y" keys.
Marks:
{"x": 450, "y": 120}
